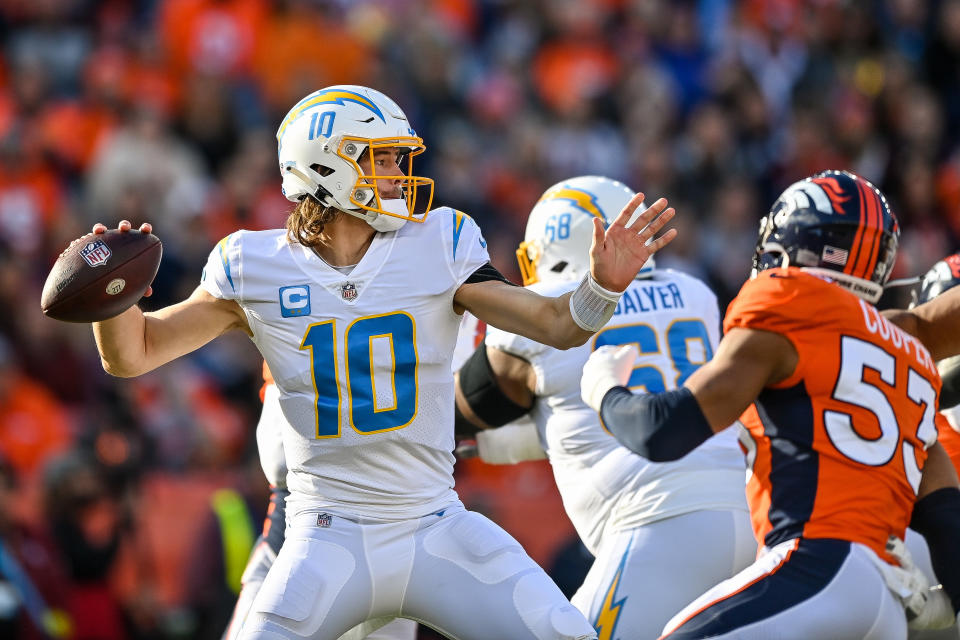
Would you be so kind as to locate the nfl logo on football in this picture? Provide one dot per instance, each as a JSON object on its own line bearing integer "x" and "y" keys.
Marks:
{"x": 96, "y": 253}
{"x": 348, "y": 291}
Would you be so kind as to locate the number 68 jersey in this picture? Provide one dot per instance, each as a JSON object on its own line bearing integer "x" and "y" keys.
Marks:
{"x": 673, "y": 320}
{"x": 837, "y": 449}
{"x": 362, "y": 361}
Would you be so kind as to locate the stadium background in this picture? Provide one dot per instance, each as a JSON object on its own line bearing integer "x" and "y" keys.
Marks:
{"x": 164, "y": 111}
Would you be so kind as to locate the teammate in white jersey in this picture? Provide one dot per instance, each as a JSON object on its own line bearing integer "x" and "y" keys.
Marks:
{"x": 661, "y": 533}
{"x": 355, "y": 308}
{"x": 270, "y": 447}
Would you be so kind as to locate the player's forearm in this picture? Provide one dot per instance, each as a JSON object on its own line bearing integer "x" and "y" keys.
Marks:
{"x": 133, "y": 342}
{"x": 121, "y": 343}
{"x": 568, "y": 332}
{"x": 551, "y": 323}
{"x": 661, "y": 427}
{"x": 521, "y": 311}
{"x": 935, "y": 323}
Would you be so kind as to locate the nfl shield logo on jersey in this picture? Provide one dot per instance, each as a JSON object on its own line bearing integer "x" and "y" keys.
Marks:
{"x": 324, "y": 520}
{"x": 96, "y": 253}
{"x": 348, "y": 291}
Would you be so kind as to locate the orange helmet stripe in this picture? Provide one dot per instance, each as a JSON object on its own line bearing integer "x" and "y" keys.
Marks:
{"x": 863, "y": 233}
{"x": 877, "y": 206}
{"x": 856, "y": 245}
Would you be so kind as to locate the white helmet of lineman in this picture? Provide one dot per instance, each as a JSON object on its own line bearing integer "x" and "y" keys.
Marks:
{"x": 321, "y": 140}
{"x": 556, "y": 245}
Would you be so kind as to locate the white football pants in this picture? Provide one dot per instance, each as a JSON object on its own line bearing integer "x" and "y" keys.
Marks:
{"x": 799, "y": 589}
{"x": 921, "y": 557}
{"x": 261, "y": 558}
{"x": 643, "y": 576}
{"x": 455, "y": 571}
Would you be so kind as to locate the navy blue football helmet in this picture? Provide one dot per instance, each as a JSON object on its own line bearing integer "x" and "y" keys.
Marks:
{"x": 941, "y": 277}
{"x": 944, "y": 275}
{"x": 834, "y": 223}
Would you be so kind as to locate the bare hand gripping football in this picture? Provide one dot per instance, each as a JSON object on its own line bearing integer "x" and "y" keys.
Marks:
{"x": 102, "y": 274}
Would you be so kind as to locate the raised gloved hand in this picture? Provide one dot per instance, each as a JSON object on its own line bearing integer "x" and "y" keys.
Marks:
{"x": 607, "y": 367}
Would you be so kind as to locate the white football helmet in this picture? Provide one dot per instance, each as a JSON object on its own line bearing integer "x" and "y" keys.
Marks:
{"x": 324, "y": 135}
{"x": 556, "y": 245}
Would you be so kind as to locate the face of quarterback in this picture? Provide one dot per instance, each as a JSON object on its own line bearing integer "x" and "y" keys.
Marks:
{"x": 386, "y": 167}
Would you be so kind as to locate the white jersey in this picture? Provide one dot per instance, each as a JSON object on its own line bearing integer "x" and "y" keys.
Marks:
{"x": 469, "y": 338}
{"x": 362, "y": 361}
{"x": 270, "y": 438}
{"x": 674, "y": 321}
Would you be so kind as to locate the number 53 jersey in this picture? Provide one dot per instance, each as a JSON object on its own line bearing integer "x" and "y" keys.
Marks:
{"x": 362, "y": 361}
{"x": 837, "y": 449}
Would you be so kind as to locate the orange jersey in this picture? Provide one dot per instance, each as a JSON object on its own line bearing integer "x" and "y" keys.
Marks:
{"x": 267, "y": 380}
{"x": 836, "y": 450}
{"x": 947, "y": 434}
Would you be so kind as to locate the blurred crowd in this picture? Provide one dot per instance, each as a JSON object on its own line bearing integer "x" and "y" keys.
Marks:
{"x": 112, "y": 502}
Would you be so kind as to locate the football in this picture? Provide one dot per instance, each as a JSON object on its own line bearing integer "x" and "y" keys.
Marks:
{"x": 101, "y": 275}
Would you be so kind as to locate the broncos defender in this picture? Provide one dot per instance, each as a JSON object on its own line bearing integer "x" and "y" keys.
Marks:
{"x": 838, "y": 406}
{"x": 355, "y": 307}
{"x": 643, "y": 521}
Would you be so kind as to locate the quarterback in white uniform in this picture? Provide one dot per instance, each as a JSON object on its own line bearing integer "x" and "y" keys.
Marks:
{"x": 355, "y": 308}
{"x": 267, "y": 546}
{"x": 661, "y": 533}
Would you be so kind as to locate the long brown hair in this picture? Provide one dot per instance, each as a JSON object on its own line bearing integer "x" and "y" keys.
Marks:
{"x": 305, "y": 223}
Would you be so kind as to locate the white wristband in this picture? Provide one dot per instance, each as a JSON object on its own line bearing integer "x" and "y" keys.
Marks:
{"x": 591, "y": 305}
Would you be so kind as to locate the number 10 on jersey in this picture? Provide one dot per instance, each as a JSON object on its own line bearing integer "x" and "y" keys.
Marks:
{"x": 366, "y": 416}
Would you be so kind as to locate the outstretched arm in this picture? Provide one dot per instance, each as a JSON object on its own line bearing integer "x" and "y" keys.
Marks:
{"x": 666, "y": 426}
{"x": 936, "y": 323}
{"x": 134, "y": 342}
{"x": 616, "y": 256}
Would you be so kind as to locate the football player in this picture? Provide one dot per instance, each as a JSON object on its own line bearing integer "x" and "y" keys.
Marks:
{"x": 267, "y": 546}
{"x": 643, "y": 521}
{"x": 839, "y": 407}
{"x": 355, "y": 307}
{"x": 943, "y": 276}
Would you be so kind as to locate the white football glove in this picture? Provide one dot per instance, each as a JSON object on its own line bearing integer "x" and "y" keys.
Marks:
{"x": 927, "y": 607}
{"x": 607, "y": 367}
{"x": 515, "y": 442}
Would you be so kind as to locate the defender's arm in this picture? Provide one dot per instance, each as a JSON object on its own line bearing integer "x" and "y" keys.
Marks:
{"x": 936, "y": 516}
{"x": 935, "y": 323}
{"x": 666, "y": 426}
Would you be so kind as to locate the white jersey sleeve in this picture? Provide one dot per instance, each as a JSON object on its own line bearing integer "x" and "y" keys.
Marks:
{"x": 222, "y": 275}
{"x": 468, "y": 249}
